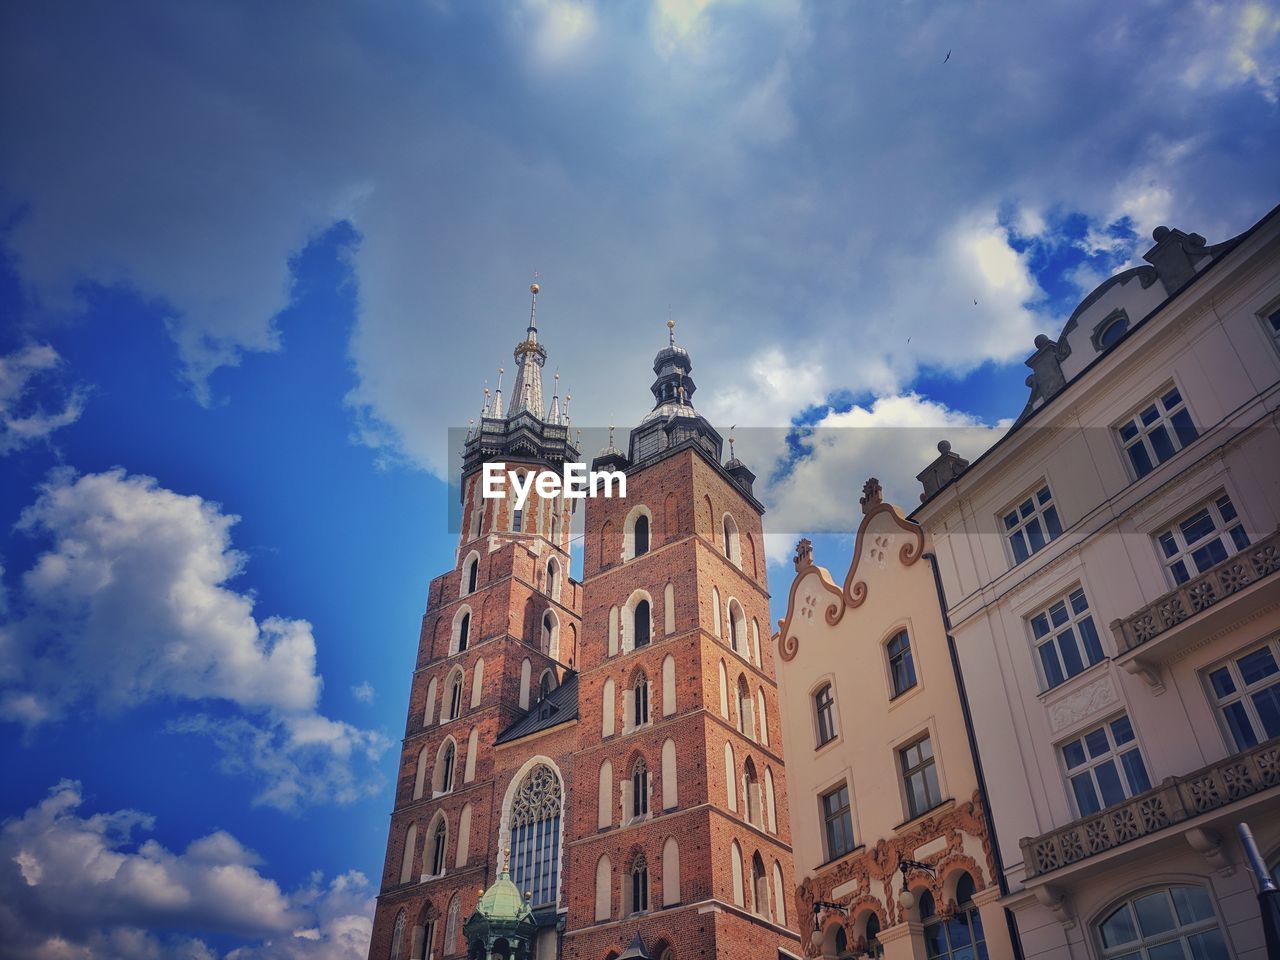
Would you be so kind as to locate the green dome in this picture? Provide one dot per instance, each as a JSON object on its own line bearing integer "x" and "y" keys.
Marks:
{"x": 503, "y": 901}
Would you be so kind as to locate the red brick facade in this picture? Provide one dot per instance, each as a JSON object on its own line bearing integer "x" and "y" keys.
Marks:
{"x": 706, "y": 757}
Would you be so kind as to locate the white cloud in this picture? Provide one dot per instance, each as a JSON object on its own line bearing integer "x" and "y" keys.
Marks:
{"x": 87, "y": 887}
{"x": 364, "y": 692}
{"x": 561, "y": 28}
{"x": 1238, "y": 46}
{"x": 892, "y": 439}
{"x": 22, "y": 420}
{"x": 130, "y": 603}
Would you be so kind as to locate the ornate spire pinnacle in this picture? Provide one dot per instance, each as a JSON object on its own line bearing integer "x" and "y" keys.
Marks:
{"x": 553, "y": 415}
{"x": 671, "y": 329}
{"x": 484, "y": 407}
{"x": 497, "y": 395}
{"x": 530, "y": 355}
{"x": 731, "y": 429}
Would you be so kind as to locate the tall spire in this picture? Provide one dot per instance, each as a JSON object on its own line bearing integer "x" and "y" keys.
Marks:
{"x": 530, "y": 355}
{"x": 553, "y": 415}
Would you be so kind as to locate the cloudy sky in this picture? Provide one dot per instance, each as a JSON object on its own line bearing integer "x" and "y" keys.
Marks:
{"x": 256, "y": 259}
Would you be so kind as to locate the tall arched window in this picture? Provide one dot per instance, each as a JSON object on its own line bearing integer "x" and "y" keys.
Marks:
{"x": 874, "y": 947}
{"x": 642, "y": 624}
{"x": 604, "y": 888}
{"x": 1174, "y": 921}
{"x": 729, "y": 539}
{"x": 549, "y": 631}
{"x": 759, "y": 887}
{"x": 746, "y": 720}
{"x": 670, "y": 872}
{"x": 473, "y": 575}
{"x": 406, "y": 855}
{"x": 446, "y": 760}
{"x": 464, "y": 632}
{"x": 639, "y": 885}
{"x": 553, "y": 579}
{"x": 546, "y": 683}
{"x": 960, "y": 937}
{"x": 535, "y": 834}
{"x": 640, "y": 701}
{"x": 451, "y": 925}
{"x": 641, "y": 536}
{"x": 738, "y": 629}
{"x": 639, "y": 789}
{"x": 439, "y": 840}
{"x": 455, "y": 695}
{"x": 397, "y": 937}
{"x": 735, "y": 857}
{"x": 752, "y": 784}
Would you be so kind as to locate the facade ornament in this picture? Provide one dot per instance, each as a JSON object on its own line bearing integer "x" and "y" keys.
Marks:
{"x": 872, "y": 495}
{"x": 804, "y": 554}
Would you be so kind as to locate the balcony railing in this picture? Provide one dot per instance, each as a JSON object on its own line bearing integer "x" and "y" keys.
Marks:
{"x": 1253, "y": 563}
{"x": 1173, "y": 801}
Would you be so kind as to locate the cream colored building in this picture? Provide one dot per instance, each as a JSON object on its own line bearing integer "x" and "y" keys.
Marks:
{"x": 878, "y": 759}
{"x": 1111, "y": 569}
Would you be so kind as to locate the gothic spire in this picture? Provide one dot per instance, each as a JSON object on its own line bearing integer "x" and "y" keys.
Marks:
{"x": 530, "y": 355}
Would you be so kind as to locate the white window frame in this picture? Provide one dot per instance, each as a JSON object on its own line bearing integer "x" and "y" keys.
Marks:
{"x": 1114, "y": 756}
{"x": 1039, "y": 514}
{"x": 1164, "y": 418}
{"x": 905, "y": 773}
{"x": 1243, "y": 692}
{"x": 1055, "y": 631}
{"x": 823, "y": 819}
{"x": 1223, "y": 532}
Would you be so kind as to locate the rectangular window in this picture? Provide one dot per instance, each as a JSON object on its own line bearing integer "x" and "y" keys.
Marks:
{"x": 902, "y": 667}
{"x": 824, "y": 705}
{"x": 517, "y": 521}
{"x": 1104, "y": 766}
{"x": 839, "y": 822}
{"x": 1273, "y": 325}
{"x": 1208, "y": 536}
{"x": 1065, "y": 638}
{"x": 1157, "y": 431}
{"x": 1031, "y": 524}
{"x": 920, "y": 776}
{"x": 1247, "y": 691}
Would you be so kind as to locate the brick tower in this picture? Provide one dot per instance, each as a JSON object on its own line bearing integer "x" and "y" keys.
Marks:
{"x": 679, "y": 842}
{"x": 489, "y": 736}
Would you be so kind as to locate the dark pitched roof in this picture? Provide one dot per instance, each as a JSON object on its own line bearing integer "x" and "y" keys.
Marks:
{"x": 560, "y": 706}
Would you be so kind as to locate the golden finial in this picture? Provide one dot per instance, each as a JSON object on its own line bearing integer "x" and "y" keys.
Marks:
{"x": 506, "y": 865}
{"x": 534, "y": 288}
{"x": 671, "y": 328}
{"x": 611, "y": 434}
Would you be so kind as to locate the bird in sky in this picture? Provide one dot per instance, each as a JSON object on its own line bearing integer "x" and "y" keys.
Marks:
{"x": 947, "y": 57}
{"x": 975, "y": 303}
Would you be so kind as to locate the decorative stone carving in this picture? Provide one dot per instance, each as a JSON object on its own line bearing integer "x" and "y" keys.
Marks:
{"x": 1085, "y": 702}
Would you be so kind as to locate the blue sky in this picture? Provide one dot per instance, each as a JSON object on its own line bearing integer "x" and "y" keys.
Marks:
{"x": 256, "y": 261}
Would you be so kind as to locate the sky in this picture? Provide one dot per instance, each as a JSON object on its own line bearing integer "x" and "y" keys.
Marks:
{"x": 256, "y": 260}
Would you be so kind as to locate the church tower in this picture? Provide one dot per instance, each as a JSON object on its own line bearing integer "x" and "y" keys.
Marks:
{"x": 680, "y": 842}
{"x": 494, "y": 672}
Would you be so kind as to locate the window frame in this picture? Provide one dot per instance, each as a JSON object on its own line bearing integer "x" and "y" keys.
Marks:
{"x": 1114, "y": 757}
{"x": 1243, "y": 693}
{"x": 1224, "y": 532}
{"x": 1041, "y": 510}
{"x": 1056, "y": 630}
{"x": 907, "y": 656}
{"x": 1179, "y": 933}
{"x": 829, "y": 817}
{"x": 830, "y": 706}
{"x": 1164, "y": 418}
{"x": 907, "y": 771}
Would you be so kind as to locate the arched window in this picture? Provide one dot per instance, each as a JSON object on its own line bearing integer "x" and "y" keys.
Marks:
{"x": 464, "y": 837}
{"x": 752, "y": 785}
{"x": 420, "y": 780}
{"x": 429, "y": 715}
{"x": 759, "y": 887}
{"x": 746, "y": 722}
{"x": 960, "y": 937}
{"x": 670, "y": 785}
{"x": 455, "y": 695}
{"x": 642, "y": 624}
{"x": 641, "y": 536}
{"x": 874, "y": 947}
{"x": 397, "y": 937}
{"x": 670, "y": 873}
{"x": 639, "y": 789}
{"x": 639, "y": 885}
{"x": 464, "y": 632}
{"x": 472, "y": 577}
{"x": 477, "y": 682}
{"x": 761, "y": 717}
{"x": 604, "y": 891}
{"x": 1174, "y": 921}
{"x": 439, "y": 840}
{"x": 730, "y": 778}
{"x": 729, "y": 539}
{"x": 724, "y": 691}
{"x": 546, "y": 683}
{"x": 640, "y": 701}
{"x": 451, "y": 926}
{"x": 779, "y": 898}
{"x": 735, "y": 857}
{"x": 443, "y": 775}
{"x": 738, "y": 629}
{"x": 770, "y": 805}
{"x": 477, "y": 515}
{"x": 406, "y": 855}
{"x": 607, "y": 709}
{"x": 604, "y": 810}
{"x": 550, "y": 635}
{"x": 553, "y": 579}
{"x": 535, "y": 834}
